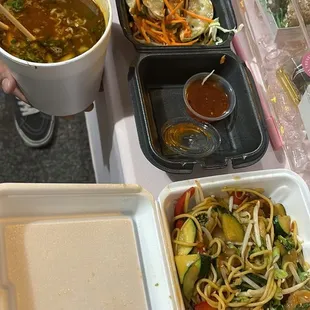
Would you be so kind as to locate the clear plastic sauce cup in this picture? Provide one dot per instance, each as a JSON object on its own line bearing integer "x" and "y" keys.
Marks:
{"x": 215, "y": 97}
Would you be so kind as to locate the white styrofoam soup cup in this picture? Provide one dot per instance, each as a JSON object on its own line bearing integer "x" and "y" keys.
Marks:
{"x": 68, "y": 87}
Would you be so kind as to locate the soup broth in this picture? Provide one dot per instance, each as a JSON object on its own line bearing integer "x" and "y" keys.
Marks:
{"x": 63, "y": 29}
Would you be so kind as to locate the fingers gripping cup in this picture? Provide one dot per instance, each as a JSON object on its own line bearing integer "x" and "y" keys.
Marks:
{"x": 61, "y": 74}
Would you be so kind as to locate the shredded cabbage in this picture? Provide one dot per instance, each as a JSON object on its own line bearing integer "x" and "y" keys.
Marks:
{"x": 215, "y": 26}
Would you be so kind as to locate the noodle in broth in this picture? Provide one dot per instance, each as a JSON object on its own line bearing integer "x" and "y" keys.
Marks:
{"x": 240, "y": 252}
{"x": 64, "y": 29}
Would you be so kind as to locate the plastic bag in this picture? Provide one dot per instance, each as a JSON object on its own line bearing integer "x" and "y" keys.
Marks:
{"x": 304, "y": 6}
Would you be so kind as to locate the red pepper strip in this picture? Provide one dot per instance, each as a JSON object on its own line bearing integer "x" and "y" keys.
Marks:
{"x": 239, "y": 197}
{"x": 179, "y": 206}
{"x": 201, "y": 248}
{"x": 203, "y": 306}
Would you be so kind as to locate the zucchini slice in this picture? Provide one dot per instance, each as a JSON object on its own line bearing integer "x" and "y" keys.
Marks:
{"x": 243, "y": 287}
{"x": 187, "y": 234}
{"x": 197, "y": 270}
{"x": 257, "y": 279}
{"x": 205, "y": 266}
{"x": 282, "y": 225}
{"x": 232, "y": 229}
{"x": 183, "y": 262}
{"x": 279, "y": 209}
{"x": 220, "y": 210}
{"x": 190, "y": 279}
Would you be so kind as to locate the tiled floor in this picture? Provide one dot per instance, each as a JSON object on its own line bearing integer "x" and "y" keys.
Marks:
{"x": 67, "y": 160}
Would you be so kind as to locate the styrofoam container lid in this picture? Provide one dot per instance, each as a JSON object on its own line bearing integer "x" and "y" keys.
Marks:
{"x": 81, "y": 247}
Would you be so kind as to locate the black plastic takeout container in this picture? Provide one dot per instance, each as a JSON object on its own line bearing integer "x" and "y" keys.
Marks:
{"x": 156, "y": 84}
{"x": 222, "y": 9}
{"x": 156, "y": 81}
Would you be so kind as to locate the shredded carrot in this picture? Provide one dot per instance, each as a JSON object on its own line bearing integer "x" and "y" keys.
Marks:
{"x": 158, "y": 35}
{"x": 187, "y": 33}
{"x": 155, "y": 31}
{"x": 172, "y": 40}
{"x": 186, "y": 43}
{"x": 176, "y": 21}
{"x": 170, "y": 8}
{"x": 138, "y": 3}
{"x": 160, "y": 40}
{"x": 172, "y": 37}
{"x": 163, "y": 27}
{"x": 137, "y": 23}
{"x": 157, "y": 38}
{"x": 145, "y": 36}
{"x": 192, "y": 14}
{"x": 168, "y": 5}
{"x": 143, "y": 32}
{"x": 152, "y": 24}
{"x": 155, "y": 34}
{"x": 178, "y": 6}
{"x": 222, "y": 60}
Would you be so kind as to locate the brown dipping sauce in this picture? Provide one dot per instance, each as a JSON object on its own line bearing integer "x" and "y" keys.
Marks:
{"x": 209, "y": 99}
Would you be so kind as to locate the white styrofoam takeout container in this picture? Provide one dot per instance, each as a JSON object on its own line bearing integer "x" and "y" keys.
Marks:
{"x": 46, "y": 204}
{"x": 38, "y": 204}
{"x": 283, "y": 186}
{"x": 68, "y": 87}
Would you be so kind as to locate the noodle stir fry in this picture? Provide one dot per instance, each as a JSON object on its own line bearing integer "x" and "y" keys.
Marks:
{"x": 238, "y": 252}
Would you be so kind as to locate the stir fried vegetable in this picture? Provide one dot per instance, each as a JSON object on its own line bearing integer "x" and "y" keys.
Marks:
{"x": 240, "y": 252}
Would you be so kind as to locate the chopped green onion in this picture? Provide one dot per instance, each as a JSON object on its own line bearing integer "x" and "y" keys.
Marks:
{"x": 280, "y": 274}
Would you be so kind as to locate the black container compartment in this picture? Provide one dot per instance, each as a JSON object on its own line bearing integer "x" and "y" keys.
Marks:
{"x": 222, "y": 9}
{"x": 156, "y": 84}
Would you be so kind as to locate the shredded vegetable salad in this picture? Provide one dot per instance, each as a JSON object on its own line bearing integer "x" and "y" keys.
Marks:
{"x": 175, "y": 22}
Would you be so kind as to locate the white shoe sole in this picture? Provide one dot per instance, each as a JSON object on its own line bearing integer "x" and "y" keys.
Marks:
{"x": 39, "y": 143}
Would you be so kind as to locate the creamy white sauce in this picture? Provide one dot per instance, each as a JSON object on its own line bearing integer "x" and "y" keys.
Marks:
{"x": 89, "y": 264}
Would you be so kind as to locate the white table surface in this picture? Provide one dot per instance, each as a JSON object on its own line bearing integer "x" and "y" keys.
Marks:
{"x": 123, "y": 158}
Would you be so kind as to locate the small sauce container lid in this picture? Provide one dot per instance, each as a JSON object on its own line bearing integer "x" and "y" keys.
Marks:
{"x": 190, "y": 138}
{"x": 218, "y": 88}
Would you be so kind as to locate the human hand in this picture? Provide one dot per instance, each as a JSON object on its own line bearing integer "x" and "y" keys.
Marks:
{"x": 8, "y": 83}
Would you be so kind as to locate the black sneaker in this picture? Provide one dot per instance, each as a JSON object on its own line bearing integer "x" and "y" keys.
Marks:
{"x": 35, "y": 128}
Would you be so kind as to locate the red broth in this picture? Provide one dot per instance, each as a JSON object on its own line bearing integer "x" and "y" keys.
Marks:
{"x": 63, "y": 29}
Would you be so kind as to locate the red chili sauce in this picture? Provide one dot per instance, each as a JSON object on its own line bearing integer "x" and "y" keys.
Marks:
{"x": 209, "y": 99}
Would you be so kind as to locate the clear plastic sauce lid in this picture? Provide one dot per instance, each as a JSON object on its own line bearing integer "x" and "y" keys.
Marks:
{"x": 190, "y": 138}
